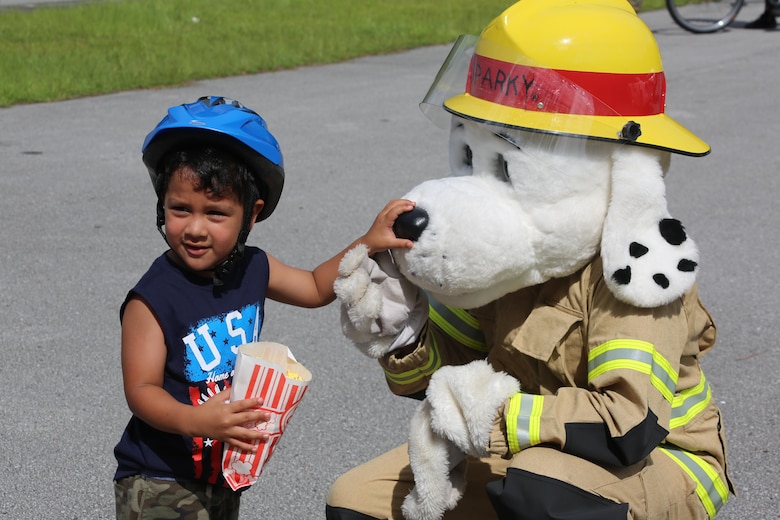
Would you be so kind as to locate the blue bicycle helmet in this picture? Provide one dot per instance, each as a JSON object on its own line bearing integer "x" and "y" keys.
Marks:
{"x": 226, "y": 123}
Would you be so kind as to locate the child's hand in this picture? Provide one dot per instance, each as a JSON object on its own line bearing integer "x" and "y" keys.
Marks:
{"x": 380, "y": 236}
{"x": 229, "y": 422}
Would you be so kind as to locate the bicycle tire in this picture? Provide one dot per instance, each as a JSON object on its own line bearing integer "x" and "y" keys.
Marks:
{"x": 704, "y": 16}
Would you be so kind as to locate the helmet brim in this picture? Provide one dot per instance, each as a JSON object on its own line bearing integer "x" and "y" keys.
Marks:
{"x": 657, "y": 131}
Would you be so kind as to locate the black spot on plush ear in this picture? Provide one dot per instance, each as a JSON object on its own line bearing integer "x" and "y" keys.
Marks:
{"x": 622, "y": 276}
{"x": 686, "y": 266}
{"x": 673, "y": 231}
{"x": 661, "y": 280}
{"x": 637, "y": 250}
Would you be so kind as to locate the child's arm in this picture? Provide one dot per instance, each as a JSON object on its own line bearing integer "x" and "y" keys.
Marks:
{"x": 303, "y": 288}
{"x": 143, "y": 363}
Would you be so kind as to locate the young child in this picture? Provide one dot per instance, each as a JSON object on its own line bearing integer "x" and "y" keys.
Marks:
{"x": 216, "y": 171}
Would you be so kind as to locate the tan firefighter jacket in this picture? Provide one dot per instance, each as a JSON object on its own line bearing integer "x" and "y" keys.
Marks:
{"x": 599, "y": 378}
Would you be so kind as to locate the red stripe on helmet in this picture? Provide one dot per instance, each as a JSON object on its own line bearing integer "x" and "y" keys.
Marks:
{"x": 563, "y": 91}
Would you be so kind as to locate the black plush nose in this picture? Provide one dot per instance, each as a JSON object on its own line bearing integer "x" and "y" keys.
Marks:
{"x": 411, "y": 224}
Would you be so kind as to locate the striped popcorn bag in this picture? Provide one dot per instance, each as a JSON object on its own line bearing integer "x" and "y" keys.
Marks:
{"x": 267, "y": 370}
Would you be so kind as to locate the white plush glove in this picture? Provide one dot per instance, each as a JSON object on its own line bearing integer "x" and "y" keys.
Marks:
{"x": 464, "y": 402}
{"x": 439, "y": 469}
{"x": 455, "y": 419}
{"x": 380, "y": 310}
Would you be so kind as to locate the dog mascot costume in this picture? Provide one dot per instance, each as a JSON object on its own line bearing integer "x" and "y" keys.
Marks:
{"x": 548, "y": 314}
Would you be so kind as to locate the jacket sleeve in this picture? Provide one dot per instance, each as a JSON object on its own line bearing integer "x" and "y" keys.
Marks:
{"x": 451, "y": 337}
{"x": 616, "y": 409}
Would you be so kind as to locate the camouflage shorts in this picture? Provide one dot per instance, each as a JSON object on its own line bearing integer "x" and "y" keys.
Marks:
{"x": 144, "y": 498}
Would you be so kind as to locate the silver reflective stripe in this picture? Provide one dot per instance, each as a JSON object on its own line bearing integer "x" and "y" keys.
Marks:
{"x": 412, "y": 376}
{"x": 458, "y": 324}
{"x": 523, "y": 421}
{"x": 712, "y": 491}
{"x": 689, "y": 403}
{"x": 630, "y": 354}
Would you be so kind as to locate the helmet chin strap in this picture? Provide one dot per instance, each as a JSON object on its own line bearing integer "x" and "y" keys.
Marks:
{"x": 228, "y": 264}
{"x": 234, "y": 257}
{"x": 224, "y": 268}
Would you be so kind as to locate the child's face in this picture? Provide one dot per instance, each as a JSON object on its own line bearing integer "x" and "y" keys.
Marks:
{"x": 201, "y": 229}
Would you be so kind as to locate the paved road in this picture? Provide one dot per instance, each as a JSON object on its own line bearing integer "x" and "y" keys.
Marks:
{"x": 30, "y": 4}
{"x": 78, "y": 230}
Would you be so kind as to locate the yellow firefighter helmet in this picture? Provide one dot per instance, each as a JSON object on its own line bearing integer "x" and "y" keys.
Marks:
{"x": 587, "y": 68}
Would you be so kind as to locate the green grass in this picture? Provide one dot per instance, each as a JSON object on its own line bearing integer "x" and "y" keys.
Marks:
{"x": 59, "y": 52}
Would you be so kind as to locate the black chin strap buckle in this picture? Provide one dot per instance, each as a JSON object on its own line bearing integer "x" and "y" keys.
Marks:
{"x": 229, "y": 263}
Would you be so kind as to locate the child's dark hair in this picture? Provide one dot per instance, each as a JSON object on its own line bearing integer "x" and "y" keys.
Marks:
{"x": 216, "y": 171}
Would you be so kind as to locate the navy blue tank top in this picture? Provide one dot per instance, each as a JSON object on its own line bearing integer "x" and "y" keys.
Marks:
{"x": 203, "y": 327}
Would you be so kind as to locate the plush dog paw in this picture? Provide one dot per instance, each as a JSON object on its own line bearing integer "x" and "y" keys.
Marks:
{"x": 464, "y": 402}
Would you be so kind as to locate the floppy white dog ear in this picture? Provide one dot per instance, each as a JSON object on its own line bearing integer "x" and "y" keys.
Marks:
{"x": 648, "y": 258}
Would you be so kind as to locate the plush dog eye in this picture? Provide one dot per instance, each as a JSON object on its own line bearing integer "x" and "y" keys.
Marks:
{"x": 467, "y": 156}
{"x": 502, "y": 169}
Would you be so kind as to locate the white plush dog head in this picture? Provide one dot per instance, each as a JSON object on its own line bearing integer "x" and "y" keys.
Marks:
{"x": 522, "y": 208}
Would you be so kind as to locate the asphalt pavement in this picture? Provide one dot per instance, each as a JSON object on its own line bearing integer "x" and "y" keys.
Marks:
{"x": 78, "y": 230}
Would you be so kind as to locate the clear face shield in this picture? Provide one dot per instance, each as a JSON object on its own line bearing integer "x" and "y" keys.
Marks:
{"x": 450, "y": 80}
{"x": 519, "y": 100}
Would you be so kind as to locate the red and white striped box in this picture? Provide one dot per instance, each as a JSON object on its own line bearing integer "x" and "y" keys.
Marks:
{"x": 267, "y": 370}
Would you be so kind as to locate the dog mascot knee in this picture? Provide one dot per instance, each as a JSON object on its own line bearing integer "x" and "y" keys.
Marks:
{"x": 547, "y": 314}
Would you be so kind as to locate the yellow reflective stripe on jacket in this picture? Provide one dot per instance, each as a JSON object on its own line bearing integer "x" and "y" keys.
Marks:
{"x": 632, "y": 354}
{"x": 689, "y": 403}
{"x": 414, "y": 375}
{"x": 523, "y": 421}
{"x": 458, "y": 324}
{"x": 712, "y": 491}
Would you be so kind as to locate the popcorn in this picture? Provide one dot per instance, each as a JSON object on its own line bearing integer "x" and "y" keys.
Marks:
{"x": 270, "y": 371}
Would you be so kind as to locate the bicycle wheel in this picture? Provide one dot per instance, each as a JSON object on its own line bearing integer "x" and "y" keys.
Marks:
{"x": 704, "y": 16}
